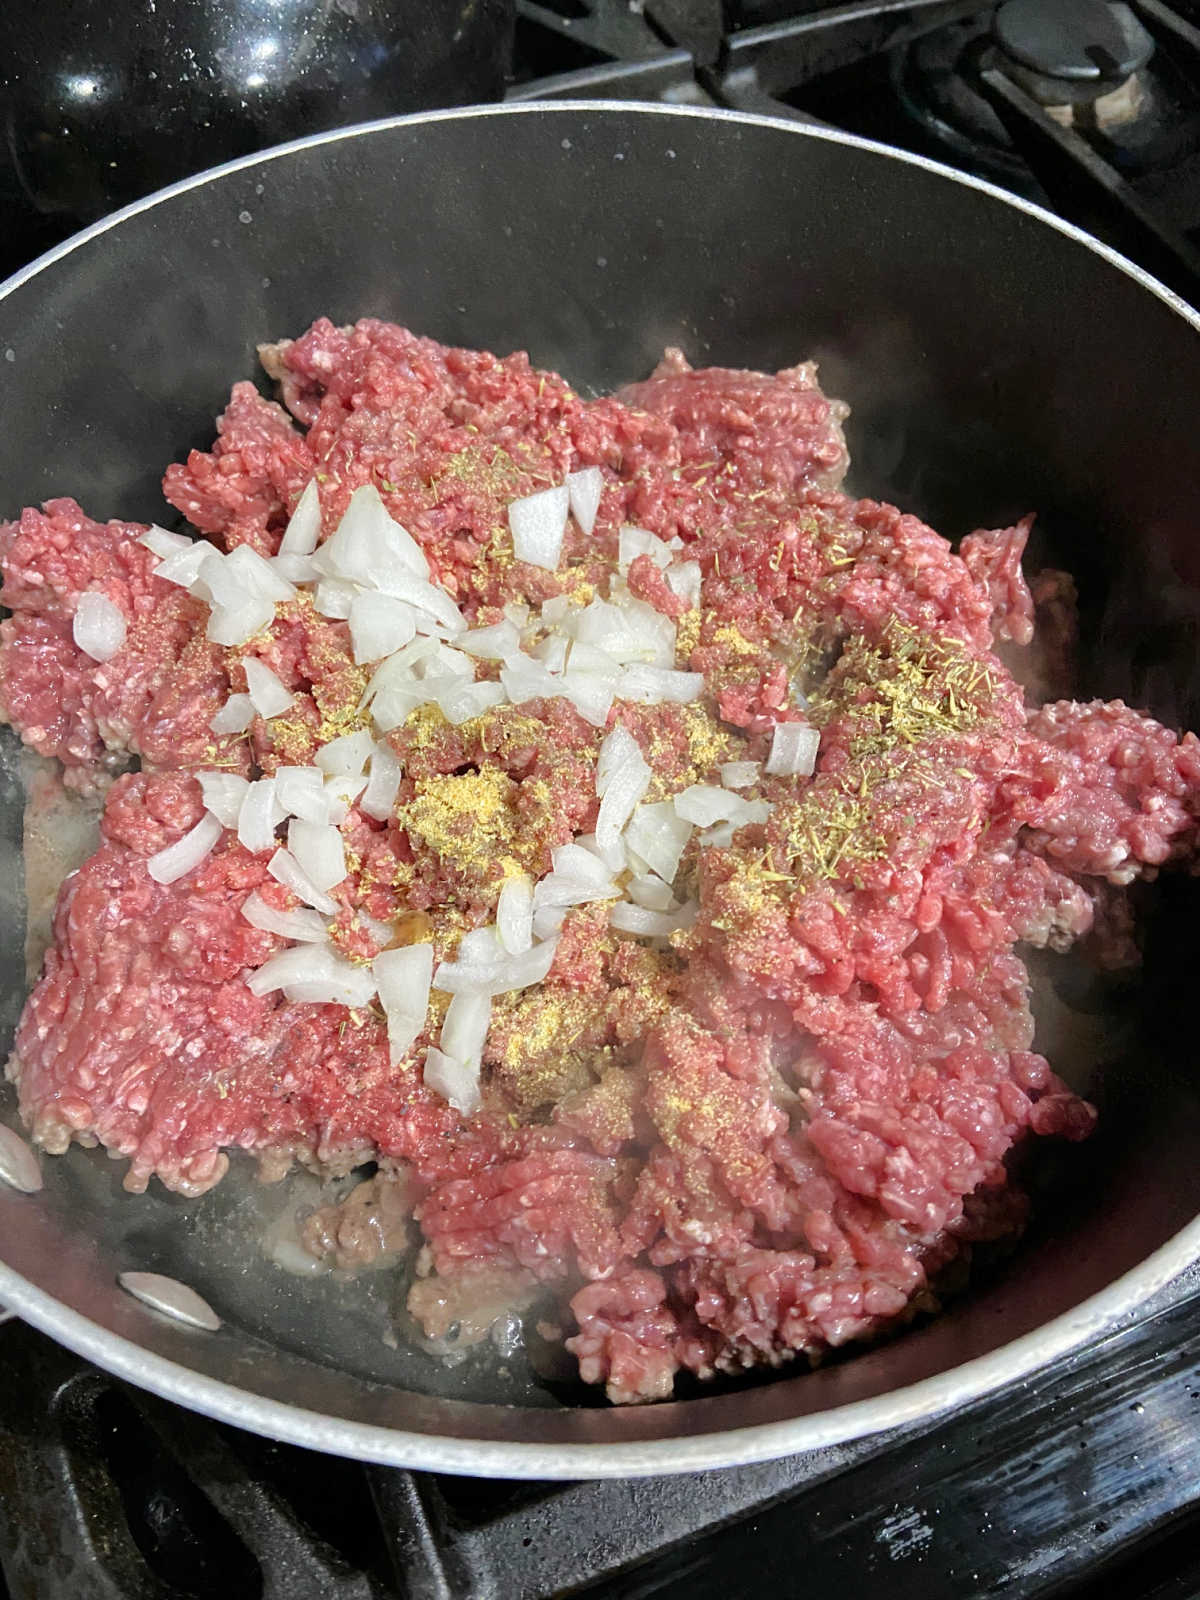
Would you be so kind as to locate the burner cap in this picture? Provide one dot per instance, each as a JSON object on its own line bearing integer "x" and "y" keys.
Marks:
{"x": 1089, "y": 45}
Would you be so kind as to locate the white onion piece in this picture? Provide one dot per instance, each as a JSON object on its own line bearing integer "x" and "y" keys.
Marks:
{"x": 425, "y": 596}
{"x": 443, "y": 660}
{"x": 320, "y": 850}
{"x": 314, "y": 973}
{"x": 538, "y": 522}
{"x": 497, "y": 977}
{"x": 270, "y": 695}
{"x": 619, "y": 747}
{"x": 19, "y": 1167}
{"x": 704, "y": 804}
{"x": 255, "y": 576}
{"x": 794, "y": 747}
{"x": 162, "y": 543}
{"x": 234, "y": 625}
{"x": 306, "y": 926}
{"x": 98, "y": 626}
{"x": 184, "y": 566}
{"x": 465, "y": 1027}
{"x": 368, "y": 543}
{"x": 652, "y": 686}
{"x": 739, "y": 774}
{"x": 657, "y": 924}
{"x": 547, "y": 920}
{"x": 514, "y": 914}
{"x": 683, "y": 579}
{"x": 721, "y": 834}
{"x": 379, "y": 625}
{"x": 403, "y": 978}
{"x": 460, "y": 703}
{"x": 479, "y": 946}
{"x": 525, "y": 679}
{"x": 624, "y": 785}
{"x": 257, "y": 816}
{"x": 340, "y": 794}
{"x": 586, "y": 660}
{"x": 657, "y": 835}
{"x": 555, "y": 610}
{"x": 235, "y": 716}
{"x": 574, "y": 861}
{"x": 491, "y": 644}
{"x": 584, "y": 491}
{"x": 394, "y": 706}
{"x": 634, "y": 542}
{"x": 170, "y": 1298}
{"x": 347, "y": 755}
{"x": 223, "y": 794}
{"x": 649, "y": 891}
{"x": 560, "y": 889}
{"x": 333, "y": 598}
{"x": 304, "y": 526}
{"x": 285, "y": 869}
{"x": 379, "y": 797}
{"x": 301, "y": 793}
{"x": 552, "y": 652}
{"x": 456, "y": 1081}
{"x": 399, "y": 670}
{"x": 590, "y": 695}
{"x": 178, "y": 859}
{"x": 296, "y": 569}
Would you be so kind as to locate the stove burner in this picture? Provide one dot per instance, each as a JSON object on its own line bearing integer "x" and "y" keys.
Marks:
{"x": 1068, "y": 51}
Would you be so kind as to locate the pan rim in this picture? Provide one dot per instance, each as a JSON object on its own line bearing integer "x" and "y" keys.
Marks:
{"x": 925, "y": 1400}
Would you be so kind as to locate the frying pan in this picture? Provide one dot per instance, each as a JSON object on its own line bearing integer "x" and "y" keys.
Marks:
{"x": 997, "y": 361}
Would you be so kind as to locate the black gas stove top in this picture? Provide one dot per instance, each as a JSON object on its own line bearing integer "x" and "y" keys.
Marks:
{"x": 1082, "y": 1481}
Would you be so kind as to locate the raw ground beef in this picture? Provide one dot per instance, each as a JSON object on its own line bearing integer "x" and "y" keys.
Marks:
{"x": 765, "y": 1136}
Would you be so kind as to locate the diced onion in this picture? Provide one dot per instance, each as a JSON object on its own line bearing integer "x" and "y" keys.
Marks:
{"x": 657, "y": 834}
{"x": 184, "y": 565}
{"x": 347, "y": 755}
{"x": 285, "y": 869}
{"x": 538, "y": 522}
{"x": 314, "y": 973}
{"x": 306, "y": 926}
{"x": 618, "y": 748}
{"x": 496, "y": 643}
{"x": 340, "y": 794}
{"x": 235, "y": 716}
{"x": 425, "y": 596}
{"x": 301, "y": 793}
{"x": 704, "y": 804}
{"x": 257, "y": 816}
{"x": 223, "y": 795}
{"x": 271, "y": 697}
{"x": 234, "y": 625}
{"x": 163, "y": 543}
{"x": 584, "y": 491}
{"x": 379, "y": 797}
{"x": 683, "y": 579}
{"x": 296, "y": 569}
{"x": 739, "y": 774}
{"x": 652, "y": 686}
{"x": 547, "y": 920}
{"x": 590, "y": 695}
{"x": 178, "y": 859}
{"x": 465, "y": 1027}
{"x": 368, "y": 544}
{"x": 634, "y": 542}
{"x": 552, "y": 652}
{"x": 624, "y": 786}
{"x": 649, "y": 891}
{"x": 304, "y": 527}
{"x": 574, "y": 861}
{"x": 561, "y": 889}
{"x": 794, "y": 747}
{"x": 657, "y": 924}
{"x": 497, "y": 977}
{"x": 455, "y": 1081}
{"x": 98, "y": 626}
{"x": 524, "y": 679}
{"x": 254, "y": 575}
{"x": 403, "y": 978}
{"x": 379, "y": 625}
{"x": 479, "y": 946}
{"x": 394, "y": 706}
{"x": 333, "y": 598}
{"x": 514, "y": 914}
{"x": 320, "y": 851}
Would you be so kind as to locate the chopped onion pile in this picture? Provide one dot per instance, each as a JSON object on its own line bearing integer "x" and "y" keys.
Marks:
{"x": 98, "y": 627}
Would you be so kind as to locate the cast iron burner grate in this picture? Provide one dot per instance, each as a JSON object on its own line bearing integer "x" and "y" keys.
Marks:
{"x": 1079, "y": 1481}
{"x": 1091, "y": 107}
